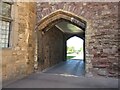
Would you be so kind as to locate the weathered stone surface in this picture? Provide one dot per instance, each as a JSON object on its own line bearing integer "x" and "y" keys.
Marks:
{"x": 14, "y": 59}
{"x": 101, "y": 44}
{"x": 101, "y": 32}
{"x": 51, "y": 48}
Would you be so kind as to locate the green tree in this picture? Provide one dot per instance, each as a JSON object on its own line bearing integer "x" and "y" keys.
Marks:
{"x": 81, "y": 49}
{"x": 70, "y": 50}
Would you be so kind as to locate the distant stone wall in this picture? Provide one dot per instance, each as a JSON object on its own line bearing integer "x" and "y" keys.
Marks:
{"x": 101, "y": 34}
{"x": 18, "y": 60}
{"x": 51, "y": 48}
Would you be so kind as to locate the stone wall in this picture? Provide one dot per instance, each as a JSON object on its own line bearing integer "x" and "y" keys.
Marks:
{"x": 101, "y": 35}
{"x": 18, "y": 60}
{"x": 101, "y": 38}
{"x": 51, "y": 48}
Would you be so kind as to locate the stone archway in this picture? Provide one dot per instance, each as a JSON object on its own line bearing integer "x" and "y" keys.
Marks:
{"x": 50, "y": 20}
{"x": 61, "y": 14}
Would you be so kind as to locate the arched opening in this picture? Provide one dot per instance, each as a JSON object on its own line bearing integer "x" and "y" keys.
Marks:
{"x": 75, "y": 48}
{"x": 53, "y": 32}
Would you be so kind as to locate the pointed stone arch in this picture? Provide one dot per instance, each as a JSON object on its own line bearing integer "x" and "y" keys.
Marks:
{"x": 55, "y": 17}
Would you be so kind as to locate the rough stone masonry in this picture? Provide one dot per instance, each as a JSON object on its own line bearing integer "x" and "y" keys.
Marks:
{"x": 101, "y": 39}
{"x": 101, "y": 46}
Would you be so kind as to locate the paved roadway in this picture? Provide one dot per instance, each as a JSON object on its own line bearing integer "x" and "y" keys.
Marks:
{"x": 70, "y": 67}
{"x": 64, "y": 75}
